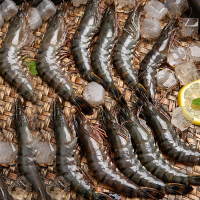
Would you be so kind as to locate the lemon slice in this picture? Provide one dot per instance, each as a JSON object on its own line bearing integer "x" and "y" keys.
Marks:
{"x": 185, "y": 97}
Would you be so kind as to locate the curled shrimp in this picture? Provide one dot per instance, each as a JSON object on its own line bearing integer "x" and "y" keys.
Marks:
{"x": 93, "y": 144}
{"x": 149, "y": 154}
{"x": 154, "y": 59}
{"x": 65, "y": 157}
{"x": 10, "y": 65}
{"x": 82, "y": 39}
{"x": 48, "y": 65}
{"x": 123, "y": 51}
{"x": 127, "y": 161}
{"x": 26, "y": 153}
{"x": 100, "y": 57}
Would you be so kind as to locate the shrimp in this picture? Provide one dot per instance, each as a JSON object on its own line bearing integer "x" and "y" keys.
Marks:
{"x": 127, "y": 161}
{"x": 10, "y": 66}
{"x": 169, "y": 142}
{"x": 4, "y": 195}
{"x": 48, "y": 66}
{"x": 100, "y": 57}
{"x": 149, "y": 155}
{"x": 105, "y": 172}
{"x": 81, "y": 43}
{"x": 123, "y": 51}
{"x": 26, "y": 153}
{"x": 65, "y": 159}
{"x": 154, "y": 59}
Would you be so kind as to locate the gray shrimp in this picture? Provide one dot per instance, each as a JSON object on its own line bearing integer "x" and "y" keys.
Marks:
{"x": 48, "y": 65}
{"x": 127, "y": 161}
{"x": 10, "y": 65}
{"x": 100, "y": 57}
{"x": 123, "y": 51}
{"x": 154, "y": 59}
{"x": 26, "y": 153}
{"x": 94, "y": 145}
{"x": 82, "y": 39}
{"x": 149, "y": 154}
{"x": 65, "y": 157}
{"x": 169, "y": 142}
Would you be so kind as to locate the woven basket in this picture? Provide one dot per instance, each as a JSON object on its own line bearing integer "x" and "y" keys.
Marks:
{"x": 42, "y": 112}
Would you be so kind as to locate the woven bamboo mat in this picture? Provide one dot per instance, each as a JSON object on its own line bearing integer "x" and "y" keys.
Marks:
{"x": 41, "y": 113}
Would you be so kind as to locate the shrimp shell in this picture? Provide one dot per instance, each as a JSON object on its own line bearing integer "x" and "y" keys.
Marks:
{"x": 149, "y": 155}
{"x": 10, "y": 65}
{"x": 103, "y": 169}
{"x": 26, "y": 153}
{"x": 127, "y": 161}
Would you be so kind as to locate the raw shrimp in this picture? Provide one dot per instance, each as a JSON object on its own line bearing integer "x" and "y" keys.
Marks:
{"x": 65, "y": 157}
{"x": 10, "y": 65}
{"x": 48, "y": 65}
{"x": 169, "y": 142}
{"x": 154, "y": 59}
{"x": 123, "y": 51}
{"x": 26, "y": 153}
{"x": 100, "y": 56}
{"x": 149, "y": 155}
{"x": 105, "y": 172}
{"x": 82, "y": 39}
{"x": 127, "y": 161}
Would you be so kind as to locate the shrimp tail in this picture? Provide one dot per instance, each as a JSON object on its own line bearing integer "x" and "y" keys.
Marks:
{"x": 141, "y": 92}
{"x": 116, "y": 94}
{"x": 82, "y": 104}
{"x": 102, "y": 196}
{"x": 92, "y": 77}
{"x": 153, "y": 193}
{"x": 174, "y": 188}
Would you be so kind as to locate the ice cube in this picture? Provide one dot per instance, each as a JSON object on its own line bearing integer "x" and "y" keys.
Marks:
{"x": 179, "y": 120}
{"x": 78, "y": 2}
{"x": 176, "y": 7}
{"x": 45, "y": 153}
{"x": 94, "y": 93}
{"x": 8, "y": 9}
{"x": 8, "y": 152}
{"x": 193, "y": 51}
{"x": 46, "y": 9}
{"x": 150, "y": 28}
{"x": 155, "y": 9}
{"x": 189, "y": 26}
{"x": 1, "y": 20}
{"x": 122, "y": 5}
{"x": 187, "y": 72}
{"x": 176, "y": 56}
{"x": 166, "y": 78}
{"x": 35, "y": 19}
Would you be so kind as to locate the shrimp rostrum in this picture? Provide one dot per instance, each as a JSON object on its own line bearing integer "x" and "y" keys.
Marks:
{"x": 10, "y": 65}
{"x": 94, "y": 145}
{"x": 127, "y": 161}
{"x": 48, "y": 65}
{"x": 149, "y": 154}
{"x": 65, "y": 157}
{"x": 26, "y": 153}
